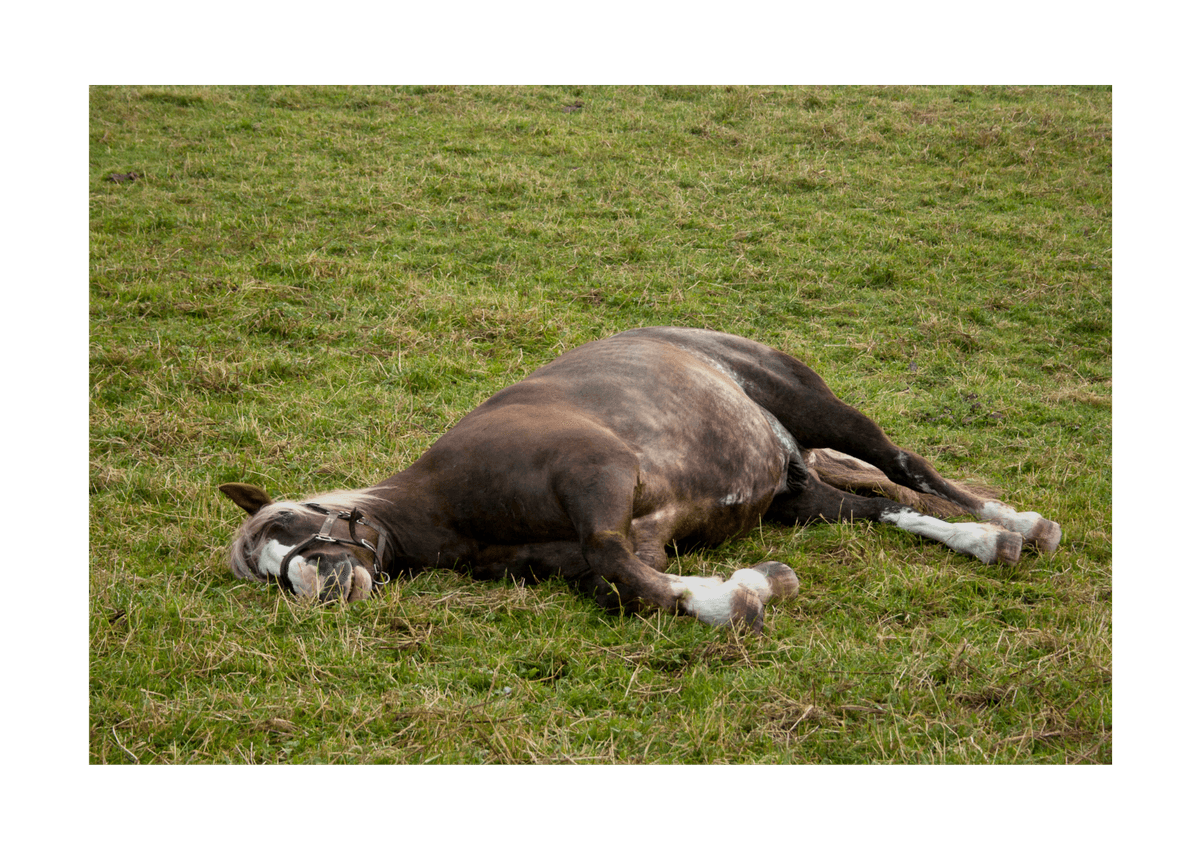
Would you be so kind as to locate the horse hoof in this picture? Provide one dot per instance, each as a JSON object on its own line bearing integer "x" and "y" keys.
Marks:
{"x": 746, "y": 610}
{"x": 1008, "y": 547}
{"x": 1031, "y": 526}
{"x": 1046, "y": 535}
{"x": 780, "y": 577}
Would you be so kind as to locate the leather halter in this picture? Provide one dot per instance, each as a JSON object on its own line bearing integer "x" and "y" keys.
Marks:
{"x": 353, "y": 518}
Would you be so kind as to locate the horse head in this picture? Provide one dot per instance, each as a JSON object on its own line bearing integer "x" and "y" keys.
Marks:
{"x": 325, "y": 548}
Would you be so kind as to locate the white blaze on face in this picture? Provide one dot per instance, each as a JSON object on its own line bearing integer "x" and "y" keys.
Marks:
{"x": 301, "y": 573}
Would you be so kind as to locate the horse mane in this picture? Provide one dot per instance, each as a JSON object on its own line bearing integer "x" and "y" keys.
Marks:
{"x": 245, "y": 542}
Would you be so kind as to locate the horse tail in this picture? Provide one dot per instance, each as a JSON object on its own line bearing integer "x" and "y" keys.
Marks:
{"x": 848, "y": 473}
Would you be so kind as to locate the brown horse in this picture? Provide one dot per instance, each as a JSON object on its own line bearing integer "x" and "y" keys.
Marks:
{"x": 594, "y": 464}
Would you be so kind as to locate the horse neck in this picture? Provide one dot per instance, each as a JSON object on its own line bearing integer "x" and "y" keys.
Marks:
{"x": 403, "y": 511}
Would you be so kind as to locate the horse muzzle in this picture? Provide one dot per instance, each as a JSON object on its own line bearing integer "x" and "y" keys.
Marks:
{"x": 342, "y": 578}
{"x": 321, "y": 567}
{"x": 334, "y": 579}
{"x": 326, "y": 577}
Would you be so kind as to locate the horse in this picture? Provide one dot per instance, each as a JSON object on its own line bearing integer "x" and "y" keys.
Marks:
{"x": 595, "y": 465}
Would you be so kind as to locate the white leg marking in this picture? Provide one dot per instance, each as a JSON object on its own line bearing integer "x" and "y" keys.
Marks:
{"x": 711, "y": 601}
{"x": 1007, "y": 517}
{"x": 981, "y": 540}
{"x": 701, "y": 597}
{"x": 1028, "y": 524}
{"x": 752, "y": 581}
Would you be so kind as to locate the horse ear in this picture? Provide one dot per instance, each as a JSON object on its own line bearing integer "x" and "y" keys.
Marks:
{"x": 249, "y": 497}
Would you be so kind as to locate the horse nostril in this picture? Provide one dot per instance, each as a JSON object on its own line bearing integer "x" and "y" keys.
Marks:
{"x": 336, "y": 578}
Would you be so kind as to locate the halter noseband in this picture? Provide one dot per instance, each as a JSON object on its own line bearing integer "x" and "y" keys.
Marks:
{"x": 352, "y": 518}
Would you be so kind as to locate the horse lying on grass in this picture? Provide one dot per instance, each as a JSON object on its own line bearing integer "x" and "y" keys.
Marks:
{"x": 593, "y": 465}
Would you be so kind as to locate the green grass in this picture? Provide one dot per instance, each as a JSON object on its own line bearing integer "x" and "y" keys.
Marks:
{"x": 304, "y": 287}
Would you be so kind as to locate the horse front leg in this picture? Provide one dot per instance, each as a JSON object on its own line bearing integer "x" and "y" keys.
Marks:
{"x": 622, "y": 580}
{"x": 602, "y": 512}
{"x": 740, "y": 599}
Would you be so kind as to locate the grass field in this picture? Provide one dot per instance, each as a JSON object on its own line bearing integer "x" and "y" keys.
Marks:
{"x": 304, "y": 287}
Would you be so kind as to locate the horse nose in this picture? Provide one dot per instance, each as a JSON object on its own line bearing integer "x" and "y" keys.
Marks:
{"x": 336, "y": 576}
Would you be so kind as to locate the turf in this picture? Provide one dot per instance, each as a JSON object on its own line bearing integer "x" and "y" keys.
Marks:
{"x": 303, "y": 287}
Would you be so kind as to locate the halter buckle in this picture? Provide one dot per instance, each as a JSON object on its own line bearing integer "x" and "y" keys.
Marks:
{"x": 326, "y": 528}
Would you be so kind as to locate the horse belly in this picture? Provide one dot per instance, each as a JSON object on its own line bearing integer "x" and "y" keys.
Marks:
{"x": 711, "y": 479}
{"x": 709, "y": 460}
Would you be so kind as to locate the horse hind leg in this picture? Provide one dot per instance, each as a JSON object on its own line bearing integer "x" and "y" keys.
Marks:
{"x": 988, "y": 542}
{"x": 809, "y": 499}
{"x": 851, "y": 474}
{"x": 858, "y": 436}
{"x": 813, "y": 417}
{"x": 914, "y": 471}
{"x": 1031, "y": 526}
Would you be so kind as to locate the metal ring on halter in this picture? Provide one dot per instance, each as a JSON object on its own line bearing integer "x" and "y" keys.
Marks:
{"x": 376, "y": 580}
